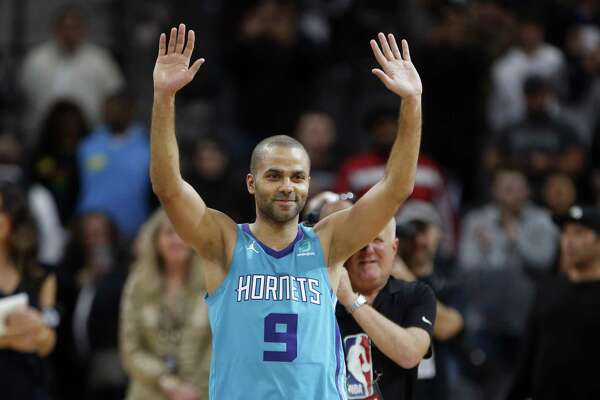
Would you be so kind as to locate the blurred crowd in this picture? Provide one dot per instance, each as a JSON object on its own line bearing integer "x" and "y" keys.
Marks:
{"x": 511, "y": 108}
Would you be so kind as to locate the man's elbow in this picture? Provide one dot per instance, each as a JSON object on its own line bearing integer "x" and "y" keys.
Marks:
{"x": 409, "y": 360}
{"x": 401, "y": 192}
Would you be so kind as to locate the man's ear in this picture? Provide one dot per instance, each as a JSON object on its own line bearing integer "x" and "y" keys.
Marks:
{"x": 395, "y": 245}
{"x": 250, "y": 184}
{"x": 4, "y": 226}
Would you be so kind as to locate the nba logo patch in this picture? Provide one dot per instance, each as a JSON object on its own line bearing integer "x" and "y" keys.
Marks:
{"x": 359, "y": 366}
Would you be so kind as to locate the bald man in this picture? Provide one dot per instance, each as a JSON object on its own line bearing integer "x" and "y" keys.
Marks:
{"x": 272, "y": 282}
{"x": 389, "y": 320}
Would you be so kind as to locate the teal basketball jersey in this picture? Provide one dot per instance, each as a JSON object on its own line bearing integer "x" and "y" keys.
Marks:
{"x": 274, "y": 332}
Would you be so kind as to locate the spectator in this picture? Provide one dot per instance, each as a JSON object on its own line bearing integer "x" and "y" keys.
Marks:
{"x": 29, "y": 336}
{"x": 386, "y": 324}
{"x": 510, "y": 232}
{"x": 113, "y": 163}
{"x": 358, "y": 173}
{"x": 503, "y": 246}
{"x": 66, "y": 66}
{"x": 530, "y": 55}
{"x": 559, "y": 194}
{"x": 165, "y": 334}
{"x": 542, "y": 140}
{"x": 270, "y": 56}
{"x": 41, "y": 204}
{"x": 54, "y": 158}
{"x": 316, "y": 131}
{"x": 418, "y": 253}
{"x": 212, "y": 173}
{"x": 452, "y": 62}
{"x": 90, "y": 280}
{"x": 564, "y": 324}
{"x": 583, "y": 55}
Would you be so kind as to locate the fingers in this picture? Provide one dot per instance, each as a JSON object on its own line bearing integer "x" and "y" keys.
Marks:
{"x": 382, "y": 77}
{"x": 405, "y": 51}
{"x": 385, "y": 47}
{"x": 394, "y": 47}
{"x": 196, "y": 66}
{"x": 172, "y": 41}
{"x": 162, "y": 44}
{"x": 189, "y": 47}
{"x": 378, "y": 54}
{"x": 177, "y": 41}
{"x": 180, "y": 39}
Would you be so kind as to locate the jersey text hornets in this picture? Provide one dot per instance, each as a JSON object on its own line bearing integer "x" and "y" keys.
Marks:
{"x": 278, "y": 288}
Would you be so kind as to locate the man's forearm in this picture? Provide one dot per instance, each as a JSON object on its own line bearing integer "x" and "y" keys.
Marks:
{"x": 394, "y": 341}
{"x": 164, "y": 157}
{"x": 448, "y": 322}
{"x": 401, "y": 167}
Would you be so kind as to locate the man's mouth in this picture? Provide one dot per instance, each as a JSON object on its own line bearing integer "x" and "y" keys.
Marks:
{"x": 365, "y": 262}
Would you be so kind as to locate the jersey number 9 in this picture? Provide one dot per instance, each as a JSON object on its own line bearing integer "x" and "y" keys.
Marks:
{"x": 288, "y": 337}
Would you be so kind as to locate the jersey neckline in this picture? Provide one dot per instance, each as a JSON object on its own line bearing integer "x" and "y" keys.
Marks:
{"x": 272, "y": 252}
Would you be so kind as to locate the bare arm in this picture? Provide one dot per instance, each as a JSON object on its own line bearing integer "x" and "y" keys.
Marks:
{"x": 47, "y": 338}
{"x": 405, "y": 346}
{"x": 448, "y": 322}
{"x": 374, "y": 210}
{"x": 205, "y": 229}
{"x": 26, "y": 330}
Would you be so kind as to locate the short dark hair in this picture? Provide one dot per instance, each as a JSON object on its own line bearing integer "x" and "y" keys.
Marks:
{"x": 277, "y": 140}
{"x": 68, "y": 10}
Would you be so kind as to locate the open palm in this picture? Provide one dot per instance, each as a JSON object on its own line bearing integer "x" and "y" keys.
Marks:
{"x": 172, "y": 70}
{"x": 397, "y": 72}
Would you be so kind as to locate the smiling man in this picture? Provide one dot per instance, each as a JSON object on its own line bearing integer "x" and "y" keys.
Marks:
{"x": 389, "y": 320}
{"x": 272, "y": 292}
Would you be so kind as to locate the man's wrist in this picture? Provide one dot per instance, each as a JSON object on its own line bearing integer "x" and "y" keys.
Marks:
{"x": 163, "y": 97}
{"x": 413, "y": 99}
{"x": 358, "y": 301}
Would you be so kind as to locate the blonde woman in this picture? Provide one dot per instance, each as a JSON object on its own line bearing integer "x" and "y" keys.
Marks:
{"x": 164, "y": 331}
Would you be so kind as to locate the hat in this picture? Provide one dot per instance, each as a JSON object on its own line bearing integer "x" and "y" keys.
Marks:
{"x": 586, "y": 216}
{"x": 418, "y": 211}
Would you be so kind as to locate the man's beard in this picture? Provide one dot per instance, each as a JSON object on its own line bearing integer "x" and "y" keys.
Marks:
{"x": 270, "y": 211}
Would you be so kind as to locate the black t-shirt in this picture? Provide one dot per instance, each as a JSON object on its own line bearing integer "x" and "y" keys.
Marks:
{"x": 23, "y": 376}
{"x": 563, "y": 344}
{"x": 408, "y": 304}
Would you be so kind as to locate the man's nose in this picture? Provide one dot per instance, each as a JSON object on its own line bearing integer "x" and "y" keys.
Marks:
{"x": 368, "y": 248}
{"x": 286, "y": 185}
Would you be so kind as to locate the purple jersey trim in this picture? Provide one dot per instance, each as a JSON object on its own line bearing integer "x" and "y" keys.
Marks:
{"x": 338, "y": 346}
{"x": 272, "y": 252}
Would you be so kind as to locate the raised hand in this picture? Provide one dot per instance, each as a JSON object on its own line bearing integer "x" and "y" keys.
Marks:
{"x": 172, "y": 70}
{"x": 397, "y": 72}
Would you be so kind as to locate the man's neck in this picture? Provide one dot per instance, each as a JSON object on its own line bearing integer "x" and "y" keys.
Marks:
{"x": 422, "y": 270}
{"x": 275, "y": 235}
{"x": 588, "y": 274}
